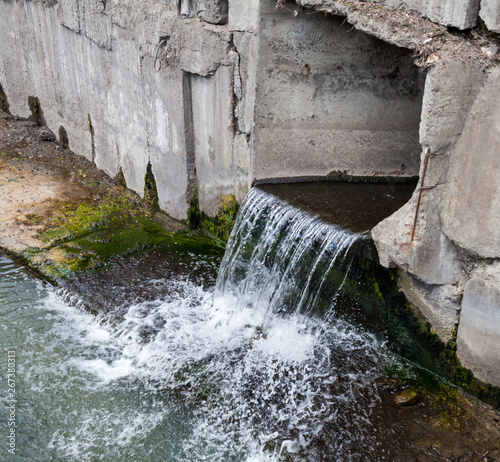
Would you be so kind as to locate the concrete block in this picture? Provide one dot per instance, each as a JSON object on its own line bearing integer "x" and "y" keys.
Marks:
{"x": 431, "y": 256}
{"x": 450, "y": 90}
{"x": 197, "y": 48}
{"x": 456, "y": 13}
{"x": 478, "y": 341}
{"x": 472, "y": 193}
{"x": 217, "y": 169}
{"x": 244, "y": 15}
{"x": 490, "y": 14}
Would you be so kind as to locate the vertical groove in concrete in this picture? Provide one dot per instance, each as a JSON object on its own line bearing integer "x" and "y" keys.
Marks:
{"x": 189, "y": 137}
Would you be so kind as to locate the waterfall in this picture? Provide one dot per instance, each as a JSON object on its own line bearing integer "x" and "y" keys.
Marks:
{"x": 282, "y": 260}
{"x": 264, "y": 355}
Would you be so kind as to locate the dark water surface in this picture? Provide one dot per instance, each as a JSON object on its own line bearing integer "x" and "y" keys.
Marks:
{"x": 358, "y": 207}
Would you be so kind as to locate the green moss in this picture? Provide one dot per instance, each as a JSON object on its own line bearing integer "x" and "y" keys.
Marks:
{"x": 220, "y": 225}
{"x": 414, "y": 339}
{"x": 119, "y": 236}
{"x": 36, "y": 110}
{"x": 75, "y": 219}
{"x": 150, "y": 190}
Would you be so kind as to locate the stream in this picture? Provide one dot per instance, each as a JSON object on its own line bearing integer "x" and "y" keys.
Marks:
{"x": 259, "y": 365}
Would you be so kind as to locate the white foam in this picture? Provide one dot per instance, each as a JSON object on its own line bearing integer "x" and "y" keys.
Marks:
{"x": 249, "y": 369}
{"x": 287, "y": 341}
{"x": 103, "y": 371}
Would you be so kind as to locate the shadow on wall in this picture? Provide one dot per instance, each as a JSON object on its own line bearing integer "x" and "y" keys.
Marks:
{"x": 4, "y": 103}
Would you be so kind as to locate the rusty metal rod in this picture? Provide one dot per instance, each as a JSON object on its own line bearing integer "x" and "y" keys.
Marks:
{"x": 422, "y": 179}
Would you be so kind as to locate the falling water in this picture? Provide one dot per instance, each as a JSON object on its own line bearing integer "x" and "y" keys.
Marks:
{"x": 278, "y": 258}
{"x": 258, "y": 368}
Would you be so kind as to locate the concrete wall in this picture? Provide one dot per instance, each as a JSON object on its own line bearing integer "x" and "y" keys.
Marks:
{"x": 331, "y": 100}
{"x": 450, "y": 266}
{"x": 113, "y": 76}
{"x": 473, "y": 186}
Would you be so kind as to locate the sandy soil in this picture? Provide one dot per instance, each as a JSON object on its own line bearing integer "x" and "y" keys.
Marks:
{"x": 34, "y": 176}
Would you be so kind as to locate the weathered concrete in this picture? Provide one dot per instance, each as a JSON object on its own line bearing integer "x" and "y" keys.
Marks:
{"x": 417, "y": 242}
{"x": 478, "y": 340}
{"x": 91, "y": 18}
{"x": 472, "y": 193}
{"x": 121, "y": 100}
{"x": 244, "y": 15}
{"x": 462, "y": 14}
{"x": 490, "y": 14}
{"x": 451, "y": 88}
{"x": 213, "y": 134}
{"x": 350, "y": 103}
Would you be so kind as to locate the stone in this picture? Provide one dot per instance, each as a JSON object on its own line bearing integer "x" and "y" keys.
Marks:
{"x": 490, "y": 14}
{"x": 408, "y": 397}
{"x": 478, "y": 339}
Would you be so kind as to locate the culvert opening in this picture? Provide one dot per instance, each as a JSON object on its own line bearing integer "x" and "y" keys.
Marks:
{"x": 332, "y": 100}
